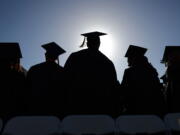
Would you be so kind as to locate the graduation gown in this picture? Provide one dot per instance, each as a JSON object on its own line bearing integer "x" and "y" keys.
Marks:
{"x": 92, "y": 82}
{"x": 142, "y": 90}
{"x": 46, "y": 91}
{"x": 173, "y": 88}
{"x": 12, "y": 88}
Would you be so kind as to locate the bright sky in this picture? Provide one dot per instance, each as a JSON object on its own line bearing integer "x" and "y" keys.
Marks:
{"x": 148, "y": 23}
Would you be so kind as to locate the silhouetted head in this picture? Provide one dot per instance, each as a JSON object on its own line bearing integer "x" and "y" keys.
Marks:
{"x": 137, "y": 60}
{"x": 93, "y": 40}
{"x": 10, "y": 54}
{"x": 93, "y": 43}
{"x": 142, "y": 61}
{"x": 135, "y": 54}
{"x": 53, "y": 50}
{"x": 171, "y": 56}
{"x": 50, "y": 57}
{"x": 130, "y": 61}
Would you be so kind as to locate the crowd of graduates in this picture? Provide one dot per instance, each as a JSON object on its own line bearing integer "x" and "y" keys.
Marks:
{"x": 87, "y": 84}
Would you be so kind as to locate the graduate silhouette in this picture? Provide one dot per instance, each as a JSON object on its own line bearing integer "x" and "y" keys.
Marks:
{"x": 171, "y": 59}
{"x": 141, "y": 84}
{"x": 92, "y": 78}
{"x": 12, "y": 80}
{"x": 45, "y": 82}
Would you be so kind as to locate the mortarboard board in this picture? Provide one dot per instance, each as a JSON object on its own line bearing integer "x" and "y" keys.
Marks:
{"x": 53, "y": 49}
{"x": 135, "y": 51}
{"x": 94, "y": 35}
{"x": 169, "y": 51}
{"x": 10, "y": 50}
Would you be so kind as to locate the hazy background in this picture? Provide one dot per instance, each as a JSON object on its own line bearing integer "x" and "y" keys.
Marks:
{"x": 148, "y": 23}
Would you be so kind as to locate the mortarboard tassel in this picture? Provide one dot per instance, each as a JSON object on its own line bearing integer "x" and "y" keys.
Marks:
{"x": 83, "y": 43}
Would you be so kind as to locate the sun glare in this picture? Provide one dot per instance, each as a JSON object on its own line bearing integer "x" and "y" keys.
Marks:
{"x": 107, "y": 46}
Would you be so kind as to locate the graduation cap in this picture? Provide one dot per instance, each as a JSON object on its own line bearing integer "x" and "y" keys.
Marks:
{"x": 169, "y": 52}
{"x": 10, "y": 51}
{"x": 92, "y": 35}
{"x": 53, "y": 49}
{"x": 135, "y": 51}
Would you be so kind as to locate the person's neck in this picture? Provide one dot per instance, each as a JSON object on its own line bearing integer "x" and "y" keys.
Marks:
{"x": 93, "y": 50}
{"x": 50, "y": 60}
